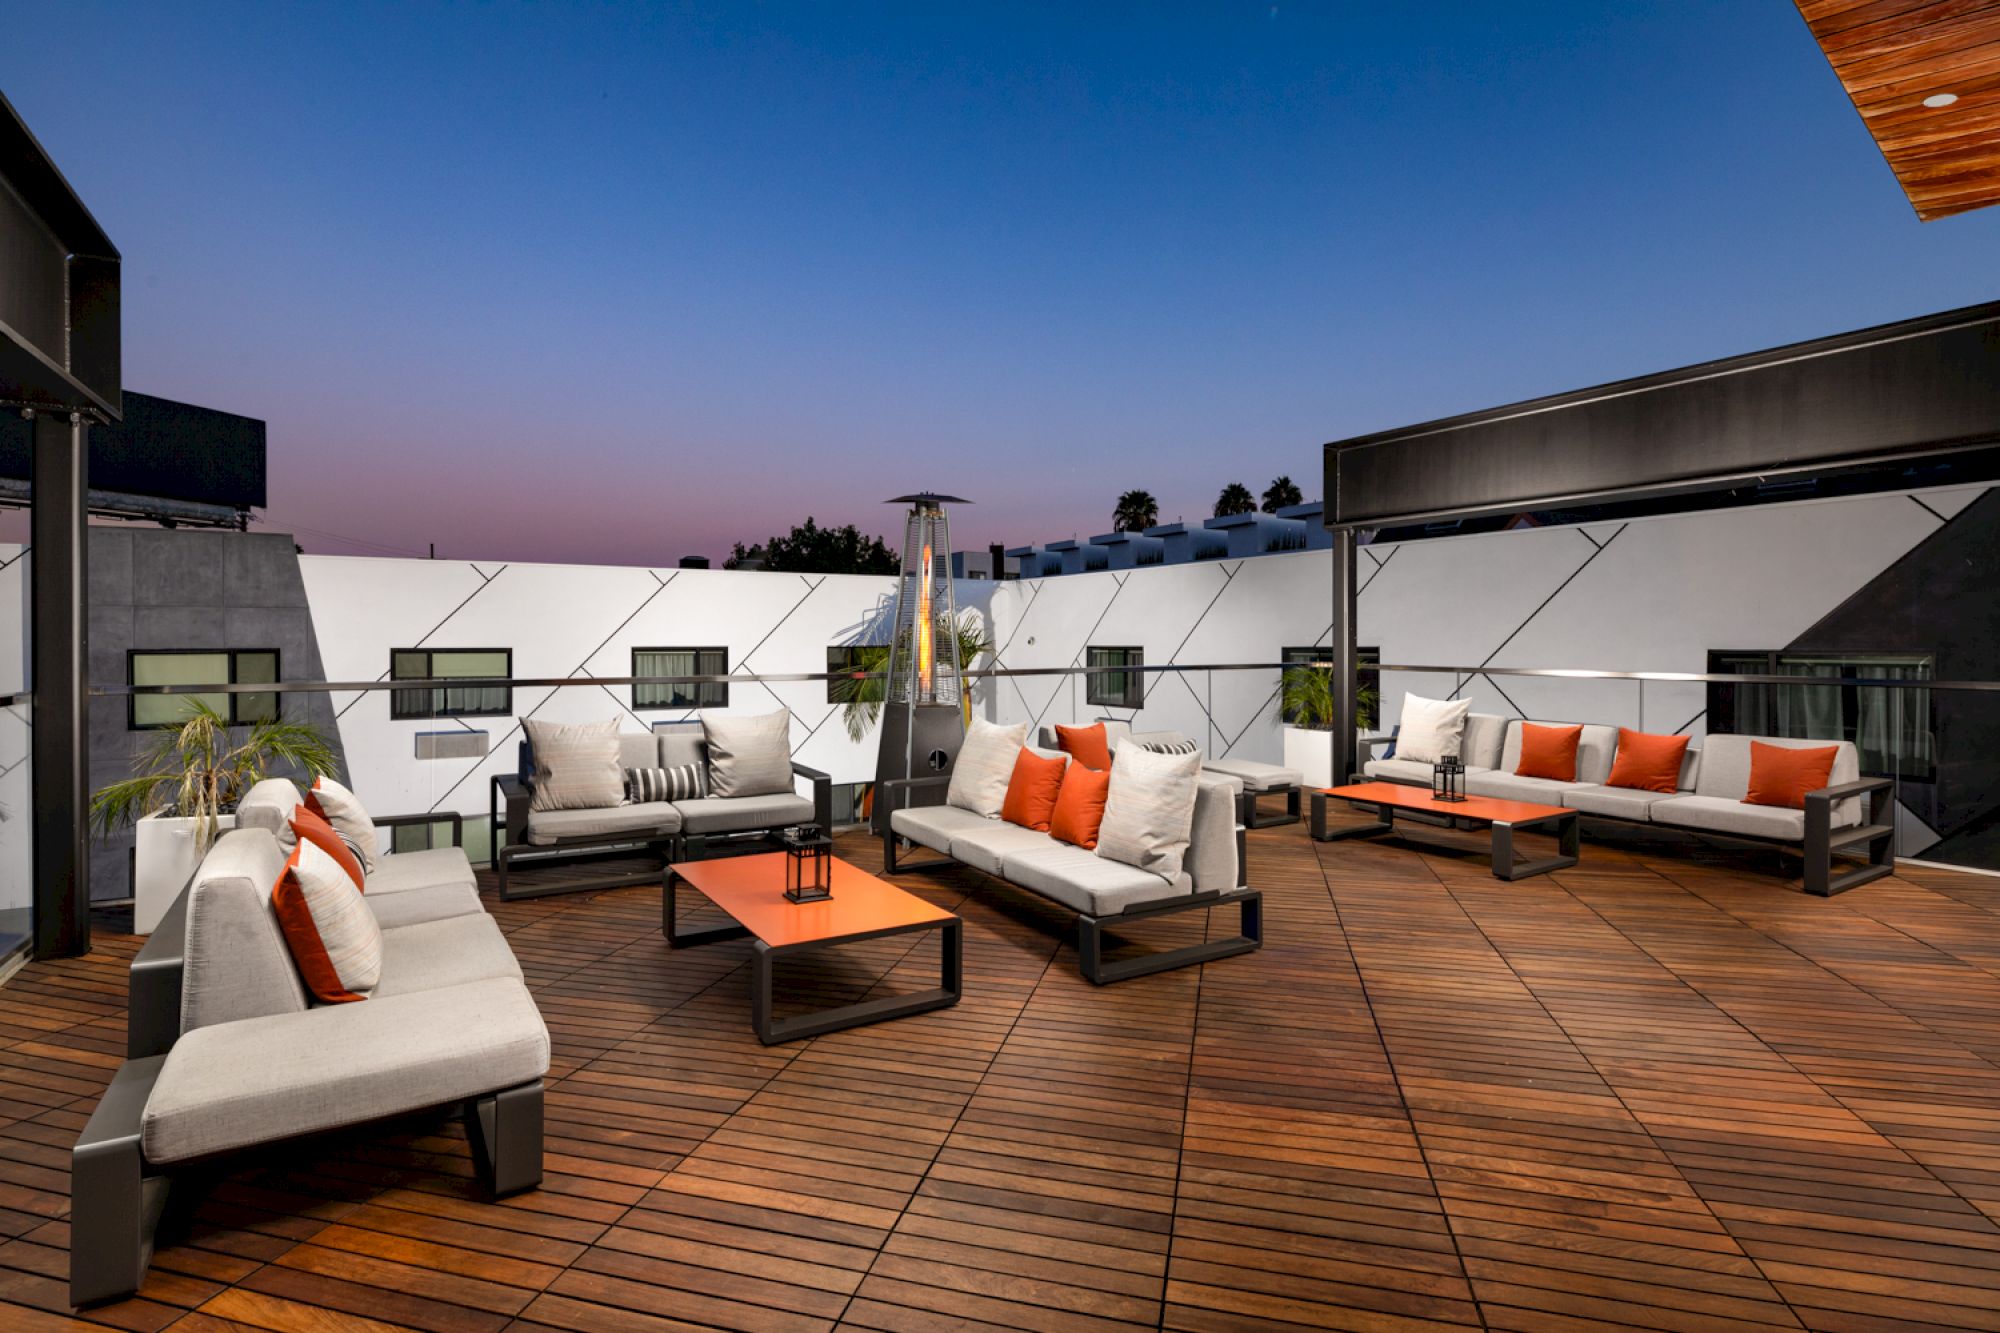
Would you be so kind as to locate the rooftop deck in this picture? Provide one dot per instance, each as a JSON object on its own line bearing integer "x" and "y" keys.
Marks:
{"x": 1660, "y": 1091}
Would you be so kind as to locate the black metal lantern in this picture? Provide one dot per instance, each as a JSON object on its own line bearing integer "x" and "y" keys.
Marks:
{"x": 806, "y": 854}
{"x": 1448, "y": 779}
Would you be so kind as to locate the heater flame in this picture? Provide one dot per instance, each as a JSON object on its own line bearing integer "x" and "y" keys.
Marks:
{"x": 925, "y": 684}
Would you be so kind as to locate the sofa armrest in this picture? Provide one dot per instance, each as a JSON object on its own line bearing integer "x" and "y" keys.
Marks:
{"x": 889, "y": 795}
{"x": 451, "y": 817}
{"x": 153, "y": 986}
{"x": 1819, "y": 806}
{"x": 1842, "y": 790}
{"x": 822, "y": 788}
{"x": 509, "y": 798}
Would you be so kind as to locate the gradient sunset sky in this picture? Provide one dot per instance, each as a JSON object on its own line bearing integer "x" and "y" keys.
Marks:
{"x": 624, "y": 283}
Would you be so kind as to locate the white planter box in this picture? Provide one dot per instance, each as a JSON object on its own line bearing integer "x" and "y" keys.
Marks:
{"x": 1311, "y": 752}
{"x": 163, "y": 864}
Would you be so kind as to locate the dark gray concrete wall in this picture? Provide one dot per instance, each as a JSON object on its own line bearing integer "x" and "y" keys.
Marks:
{"x": 168, "y": 588}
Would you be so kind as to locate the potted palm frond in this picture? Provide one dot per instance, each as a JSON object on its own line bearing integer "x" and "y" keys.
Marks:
{"x": 862, "y": 698}
{"x": 183, "y": 792}
{"x": 1306, "y": 697}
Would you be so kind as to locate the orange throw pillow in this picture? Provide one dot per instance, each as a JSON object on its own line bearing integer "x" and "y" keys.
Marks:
{"x": 1548, "y": 752}
{"x": 1086, "y": 745}
{"x": 1781, "y": 775}
{"x": 1080, "y": 806}
{"x": 1648, "y": 762}
{"x": 1032, "y": 791}
{"x": 306, "y": 824}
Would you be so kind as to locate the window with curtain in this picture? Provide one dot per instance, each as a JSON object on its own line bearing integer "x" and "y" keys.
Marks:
{"x": 680, "y": 662}
{"x": 1115, "y": 689}
{"x": 1895, "y": 729}
{"x": 198, "y": 666}
{"x": 445, "y": 664}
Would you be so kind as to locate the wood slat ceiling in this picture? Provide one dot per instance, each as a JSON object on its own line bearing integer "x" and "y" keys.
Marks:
{"x": 1892, "y": 54}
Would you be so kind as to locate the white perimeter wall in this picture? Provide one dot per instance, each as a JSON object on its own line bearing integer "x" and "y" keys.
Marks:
{"x": 1652, "y": 595}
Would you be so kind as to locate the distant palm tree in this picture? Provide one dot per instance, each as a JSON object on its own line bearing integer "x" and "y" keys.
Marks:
{"x": 1281, "y": 492}
{"x": 1137, "y": 511}
{"x": 1235, "y": 499}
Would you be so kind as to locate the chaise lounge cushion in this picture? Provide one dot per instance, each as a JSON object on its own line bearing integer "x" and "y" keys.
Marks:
{"x": 270, "y": 1078}
{"x": 729, "y": 814}
{"x": 431, "y": 867}
{"x": 434, "y": 902}
{"x": 1256, "y": 776}
{"x": 653, "y": 819}
{"x": 935, "y": 826}
{"x": 1088, "y": 883}
{"x": 1723, "y": 815}
{"x": 437, "y": 954}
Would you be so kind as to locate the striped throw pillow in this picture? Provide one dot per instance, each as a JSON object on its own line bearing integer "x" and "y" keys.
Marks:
{"x": 687, "y": 782}
{"x": 332, "y": 934}
{"x": 1170, "y": 747}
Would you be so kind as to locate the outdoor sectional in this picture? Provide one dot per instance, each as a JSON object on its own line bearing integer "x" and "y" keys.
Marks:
{"x": 251, "y": 1059}
{"x": 676, "y": 830}
{"x": 1848, "y": 815}
{"x": 1255, "y": 780}
{"x": 1104, "y": 893}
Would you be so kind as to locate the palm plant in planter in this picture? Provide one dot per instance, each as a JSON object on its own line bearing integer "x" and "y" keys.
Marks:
{"x": 1306, "y": 696}
{"x": 184, "y": 787}
{"x": 862, "y": 698}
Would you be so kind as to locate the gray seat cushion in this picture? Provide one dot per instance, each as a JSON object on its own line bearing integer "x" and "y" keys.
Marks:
{"x": 1513, "y": 787}
{"x": 731, "y": 814}
{"x": 1726, "y": 816}
{"x": 1256, "y": 776}
{"x": 435, "y": 902}
{"x": 987, "y": 847}
{"x": 935, "y": 825}
{"x": 1087, "y": 882}
{"x": 435, "y": 954}
{"x": 264, "y": 1079}
{"x": 1617, "y": 802}
{"x": 652, "y": 819}
{"x": 425, "y": 869}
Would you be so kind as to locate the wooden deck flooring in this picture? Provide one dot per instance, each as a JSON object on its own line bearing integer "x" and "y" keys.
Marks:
{"x": 1656, "y": 1091}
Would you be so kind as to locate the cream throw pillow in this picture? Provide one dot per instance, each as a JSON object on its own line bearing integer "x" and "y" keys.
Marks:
{"x": 576, "y": 765}
{"x": 341, "y": 808}
{"x": 749, "y": 755}
{"x": 1432, "y": 728}
{"x": 1149, "y": 809}
{"x": 985, "y": 765}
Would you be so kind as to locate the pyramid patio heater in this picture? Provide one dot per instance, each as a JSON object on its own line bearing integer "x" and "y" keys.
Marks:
{"x": 923, "y": 720}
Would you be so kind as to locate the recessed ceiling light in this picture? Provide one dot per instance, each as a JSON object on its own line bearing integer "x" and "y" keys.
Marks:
{"x": 1936, "y": 100}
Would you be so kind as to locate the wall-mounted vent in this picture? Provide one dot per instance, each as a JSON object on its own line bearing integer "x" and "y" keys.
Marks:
{"x": 453, "y": 744}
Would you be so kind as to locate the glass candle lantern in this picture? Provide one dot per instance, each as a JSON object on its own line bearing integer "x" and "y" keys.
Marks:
{"x": 806, "y": 855}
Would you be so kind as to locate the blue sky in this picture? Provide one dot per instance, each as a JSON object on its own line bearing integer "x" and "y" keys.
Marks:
{"x": 625, "y": 283}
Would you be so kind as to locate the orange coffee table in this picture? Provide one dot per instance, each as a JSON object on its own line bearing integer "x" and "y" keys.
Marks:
{"x": 751, "y": 890}
{"x": 1502, "y": 817}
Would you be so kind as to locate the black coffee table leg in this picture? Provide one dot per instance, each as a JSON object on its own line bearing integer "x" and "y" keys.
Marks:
{"x": 1385, "y": 821}
{"x": 1568, "y": 847}
{"x": 670, "y": 924}
{"x": 771, "y": 1031}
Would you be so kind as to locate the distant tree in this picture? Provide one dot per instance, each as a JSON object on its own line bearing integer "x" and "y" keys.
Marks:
{"x": 811, "y": 549}
{"x": 1137, "y": 511}
{"x": 1235, "y": 499}
{"x": 1281, "y": 492}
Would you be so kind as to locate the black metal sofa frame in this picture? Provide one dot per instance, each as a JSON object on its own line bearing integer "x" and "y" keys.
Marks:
{"x": 1090, "y": 930}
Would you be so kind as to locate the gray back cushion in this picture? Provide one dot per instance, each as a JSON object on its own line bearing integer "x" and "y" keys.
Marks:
{"x": 1724, "y": 771}
{"x": 681, "y": 744}
{"x": 639, "y": 750}
{"x": 1211, "y": 850}
{"x": 749, "y": 755}
{"x": 236, "y": 963}
{"x": 1485, "y": 733}
{"x": 1595, "y": 749}
{"x": 269, "y": 806}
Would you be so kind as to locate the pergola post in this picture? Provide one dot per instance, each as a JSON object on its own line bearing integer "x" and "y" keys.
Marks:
{"x": 1346, "y": 656}
{"x": 61, "y": 747}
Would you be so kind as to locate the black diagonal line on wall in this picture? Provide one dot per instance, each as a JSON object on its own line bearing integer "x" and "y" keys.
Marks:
{"x": 1913, "y": 500}
{"x": 1380, "y": 565}
{"x": 1228, "y": 577}
{"x": 16, "y": 556}
{"x": 1488, "y": 660}
{"x": 543, "y": 701}
{"x": 1080, "y": 652}
{"x": 1690, "y": 722}
{"x": 744, "y": 665}
{"x": 1497, "y": 690}
{"x": 488, "y": 582}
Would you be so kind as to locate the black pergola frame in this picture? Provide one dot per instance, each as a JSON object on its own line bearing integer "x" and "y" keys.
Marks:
{"x": 1891, "y": 397}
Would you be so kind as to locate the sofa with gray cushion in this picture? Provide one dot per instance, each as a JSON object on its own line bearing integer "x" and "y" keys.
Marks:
{"x": 255, "y": 1060}
{"x": 676, "y": 830}
{"x": 1257, "y": 780}
{"x": 1104, "y": 893}
{"x": 1848, "y": 816}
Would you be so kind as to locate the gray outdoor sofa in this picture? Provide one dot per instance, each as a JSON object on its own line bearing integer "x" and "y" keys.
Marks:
{"x": 1848, "y": 816}
{"x": 1104, "y": 893}
{"x": 253, "y": 1060}
{"x": 675, "y": 830}
{"x": 1256, "y": 780}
